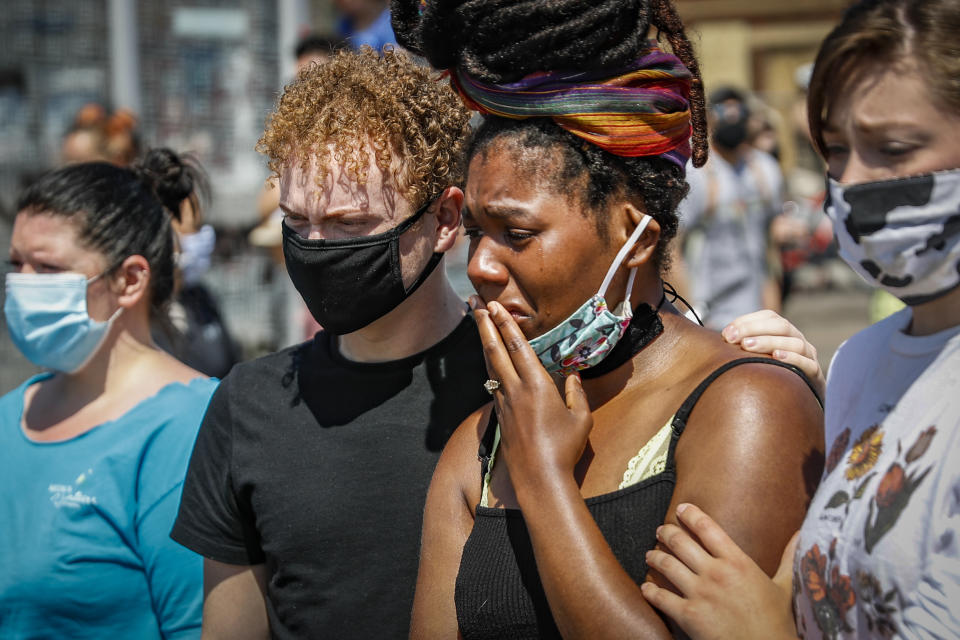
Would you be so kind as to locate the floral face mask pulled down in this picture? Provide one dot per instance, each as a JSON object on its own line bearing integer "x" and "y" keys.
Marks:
{"x": 592, "y": 331}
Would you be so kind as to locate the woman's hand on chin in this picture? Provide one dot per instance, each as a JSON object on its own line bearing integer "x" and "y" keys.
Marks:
{"x": 723, "y": 593}
{"x": 541, "y": 432}
{"x": 768, "y": 333}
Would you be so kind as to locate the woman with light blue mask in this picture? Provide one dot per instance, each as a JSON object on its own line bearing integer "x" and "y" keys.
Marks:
{"x": 608, "y": 406}
{"x": 94, "y": 451}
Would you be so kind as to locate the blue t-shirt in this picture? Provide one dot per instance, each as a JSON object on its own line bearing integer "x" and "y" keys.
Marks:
{"x": 378, "y": 34}
{"x": 85, "y": 550}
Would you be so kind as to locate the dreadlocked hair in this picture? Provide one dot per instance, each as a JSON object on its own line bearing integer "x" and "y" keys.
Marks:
{"x": 571, "y": 165}
{"x": 502, "y": 41}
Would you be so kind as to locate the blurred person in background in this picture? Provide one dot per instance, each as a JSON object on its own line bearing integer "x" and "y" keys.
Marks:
{"x": 365, "y": 23}
{"x": 192, "y": 329}
{"x": 316, "y": 47}
{"x": 94, "y": 451}
{"x": 306, "y": 487}
{"x": 724, "y": 259}
{"x": 98, "y": 136}
{"x": 878, "y": 555}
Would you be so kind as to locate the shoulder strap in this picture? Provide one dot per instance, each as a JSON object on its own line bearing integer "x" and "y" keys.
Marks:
{"x": 486, "y": 444}
{"x": 683, "y": 413}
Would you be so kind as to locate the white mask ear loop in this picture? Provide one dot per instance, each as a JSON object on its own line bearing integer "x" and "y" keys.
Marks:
{"x": 624, "y": 250}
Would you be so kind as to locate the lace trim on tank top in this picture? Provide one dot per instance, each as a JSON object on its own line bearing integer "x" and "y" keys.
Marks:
{"x": 649, "y": 461}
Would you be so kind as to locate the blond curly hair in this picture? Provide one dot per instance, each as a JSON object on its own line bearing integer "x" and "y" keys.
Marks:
{"x": 415, "y": 124}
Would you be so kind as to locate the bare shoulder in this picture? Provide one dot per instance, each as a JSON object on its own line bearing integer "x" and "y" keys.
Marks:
{"x": 760, "y": 395}
{"x": 759, "y": 413}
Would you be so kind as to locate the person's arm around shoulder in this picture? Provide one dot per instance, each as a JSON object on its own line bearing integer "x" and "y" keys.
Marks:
{"x": 447, "y": 522}
{"x": 767, "y": 332}
{"x": 234, "y": 601}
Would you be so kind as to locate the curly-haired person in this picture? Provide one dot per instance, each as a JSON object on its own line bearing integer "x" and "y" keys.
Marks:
{"x": 307, "y": 483}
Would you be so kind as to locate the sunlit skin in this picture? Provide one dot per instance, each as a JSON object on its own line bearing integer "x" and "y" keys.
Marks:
{"x": 885, "y": 124}
{"x": 535, "y": 257}
{"x": 533, "y": 250}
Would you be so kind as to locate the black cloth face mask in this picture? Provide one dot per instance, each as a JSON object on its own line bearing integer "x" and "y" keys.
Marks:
{"x": 347, "y": 284}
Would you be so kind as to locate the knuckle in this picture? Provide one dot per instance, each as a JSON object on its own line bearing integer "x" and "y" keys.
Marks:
{"x": 514, "y": 344}
{"x": 783, "y": 327}
{"x": 720, "y": 575}
{"x": 701, "y": 525}
{"x": 669, "y": 534}
{"x": 669, "y": 563}
{"x": 490, "y": 346}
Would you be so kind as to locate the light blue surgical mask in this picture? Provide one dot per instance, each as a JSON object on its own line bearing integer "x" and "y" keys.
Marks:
{"x": 195, "y": 252}
{"x": 48, "y": 321}
{"x": 592, "y": 331}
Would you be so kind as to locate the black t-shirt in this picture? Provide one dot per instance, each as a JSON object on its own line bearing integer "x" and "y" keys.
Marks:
{"x": 319, "y": 466}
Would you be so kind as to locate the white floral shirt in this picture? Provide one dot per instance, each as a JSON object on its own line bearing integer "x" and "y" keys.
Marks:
{"x": 879, "y": 553}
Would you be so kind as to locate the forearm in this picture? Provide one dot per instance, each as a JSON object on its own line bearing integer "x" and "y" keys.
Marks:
{"x": 583, "y": 581}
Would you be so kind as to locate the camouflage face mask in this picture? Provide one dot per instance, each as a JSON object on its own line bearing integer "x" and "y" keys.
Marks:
{"x": 903, "y": 234}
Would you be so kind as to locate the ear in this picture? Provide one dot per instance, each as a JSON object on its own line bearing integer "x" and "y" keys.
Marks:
{"x": 643, "y": 251}
{"x": 447, "y": 210}
{"x": 131, "y": 282}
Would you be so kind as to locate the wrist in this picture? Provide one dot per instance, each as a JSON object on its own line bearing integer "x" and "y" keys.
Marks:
{"x": 542, "y": 483}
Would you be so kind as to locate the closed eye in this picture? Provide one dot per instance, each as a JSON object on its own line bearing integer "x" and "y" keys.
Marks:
{"x": 897, "y": 149}
{"x": 518, "y": 236}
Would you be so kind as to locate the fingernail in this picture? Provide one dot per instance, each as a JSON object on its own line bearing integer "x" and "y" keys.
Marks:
{"x": 494, "y": 308}
{"x": 749, "y": 342}
{"x": 730, "y": 333}
{"x": 659, "y": 529}
{"x": 779, "y": 355}
{"x": 682, "y": 507}
{"x": 472, "y": 301}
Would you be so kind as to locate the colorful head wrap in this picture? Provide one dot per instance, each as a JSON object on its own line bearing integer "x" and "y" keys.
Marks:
{"x": 639, "y": 110}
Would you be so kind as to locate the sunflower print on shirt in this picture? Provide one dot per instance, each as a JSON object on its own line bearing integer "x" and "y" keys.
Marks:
{"x": 863, "y": 456}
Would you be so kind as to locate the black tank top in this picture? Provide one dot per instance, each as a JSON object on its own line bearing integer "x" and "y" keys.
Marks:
{"x": 498, "y": 591}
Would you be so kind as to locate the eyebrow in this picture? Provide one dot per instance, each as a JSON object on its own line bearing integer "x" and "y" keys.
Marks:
{"x": 502, "y": 212}
{"x": 874, "y": 126}
{"x": 290, "y": 212}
